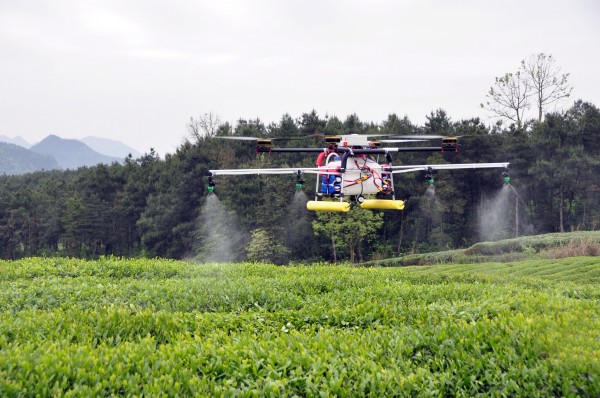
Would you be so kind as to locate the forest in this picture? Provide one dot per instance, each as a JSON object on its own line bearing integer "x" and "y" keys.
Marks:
{"x": 160, "y": 207}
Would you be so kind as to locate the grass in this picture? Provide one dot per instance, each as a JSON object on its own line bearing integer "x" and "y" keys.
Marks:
{"x": 548, "y": 246}
{"x": 163, "y": 328}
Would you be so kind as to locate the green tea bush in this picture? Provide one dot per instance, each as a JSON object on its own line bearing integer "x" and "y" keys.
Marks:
{"x": 117, "y": 327}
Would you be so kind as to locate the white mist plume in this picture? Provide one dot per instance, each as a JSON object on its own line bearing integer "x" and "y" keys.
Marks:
{"x": 218, "y": 233}
{"x": 300, "y": 226}
{"x": 496, "y": 216}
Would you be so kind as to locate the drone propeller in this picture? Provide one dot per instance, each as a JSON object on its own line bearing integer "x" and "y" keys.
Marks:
{"x": 322, "y": 134}
{"x": 395, "y": 141}
{"x": 426, "y": 136}
{"x": 243, "y": 138}
{"x": 420, "y": 136}
{"x": 395, "y": 138}
{"x": 237, "y": 138}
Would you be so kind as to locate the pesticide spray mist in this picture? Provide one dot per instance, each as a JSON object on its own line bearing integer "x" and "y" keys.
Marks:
{"x": 430, "y": 201}
{"x": 217, "y": 233}
{"x": 503, "y": 216}
{"x": 432, "y": 210}
{"x": 495, "y": 216}
{"x": 300, "y": 228}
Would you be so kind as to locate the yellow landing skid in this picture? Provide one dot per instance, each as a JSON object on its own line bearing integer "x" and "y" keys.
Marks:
{"x": 382, "y": 204}
{"x": 372, "y": 204}
{"x": 327, "y": 206}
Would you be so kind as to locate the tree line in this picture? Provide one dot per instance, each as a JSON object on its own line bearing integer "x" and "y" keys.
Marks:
{"x": 152, "y": 206}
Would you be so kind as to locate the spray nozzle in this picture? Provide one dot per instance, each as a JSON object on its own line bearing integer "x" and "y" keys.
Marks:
{"x": 211, "y": 183}
{"x": 299, "y": 180}
{"x": 506, "y": 177}
{"x": 429, "y": 176}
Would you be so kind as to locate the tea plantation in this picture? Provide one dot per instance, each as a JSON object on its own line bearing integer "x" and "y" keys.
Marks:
{"x": 163, "y": 328}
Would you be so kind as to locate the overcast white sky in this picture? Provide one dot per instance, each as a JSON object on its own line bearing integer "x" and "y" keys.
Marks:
{"x": 137, "y": 70}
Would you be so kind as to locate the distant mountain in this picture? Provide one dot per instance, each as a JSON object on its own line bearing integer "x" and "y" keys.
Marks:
{"x": 18, "y": 140}
{"x": 15, "y": 159}
{"x": 109, "y": 147}
{"x": 71, "y": 154}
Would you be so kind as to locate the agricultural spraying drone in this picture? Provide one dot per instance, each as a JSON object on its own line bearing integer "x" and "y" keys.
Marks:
{"x": 350, "y": 172}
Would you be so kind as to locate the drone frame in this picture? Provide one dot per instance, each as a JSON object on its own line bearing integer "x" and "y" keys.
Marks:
{"x": 355, "y": 146}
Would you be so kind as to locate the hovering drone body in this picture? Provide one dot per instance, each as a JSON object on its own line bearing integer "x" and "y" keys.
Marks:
{"x": 355, "y": 170}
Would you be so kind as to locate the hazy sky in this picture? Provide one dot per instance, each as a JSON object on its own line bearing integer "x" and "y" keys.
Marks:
{"x": 137, "y": 70}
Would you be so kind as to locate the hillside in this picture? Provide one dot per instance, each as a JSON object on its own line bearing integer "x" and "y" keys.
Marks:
{"x": 15, "y": 159}
{"x": 547, "y": 246}
{"x": 18, "y": 140}
{"x": 71, "y": 154}
{"x": 109, "y": 147}
{"x": 165, "y": 328}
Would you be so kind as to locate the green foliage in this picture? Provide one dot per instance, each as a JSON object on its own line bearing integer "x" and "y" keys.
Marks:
{"x": 311, "y": 123}
{"x": 438, "y": 122}
{"x": 348, "y": 230}
{"x": 266, "y": 248}
{"x": 15, "y": 159}
{"x": 394, "y": 126}
{"x": 164, "y": 328}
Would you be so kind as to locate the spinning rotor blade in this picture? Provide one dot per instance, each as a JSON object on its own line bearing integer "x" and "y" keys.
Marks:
{"x": 321, "y": 134}
{"x": 395, "y": 141}
{"x": 426, "y": 136}
{"x": 231, "y": 137}
{"x": 243, "y": 138}
{"x": 374, "y": 135}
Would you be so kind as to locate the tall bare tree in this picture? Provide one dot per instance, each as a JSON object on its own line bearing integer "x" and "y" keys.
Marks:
{"x": 547, "y": 83}
{"x": 508, "y": 98}
{"x": 205, "y": 126}
{"x": 538, "y": 78}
